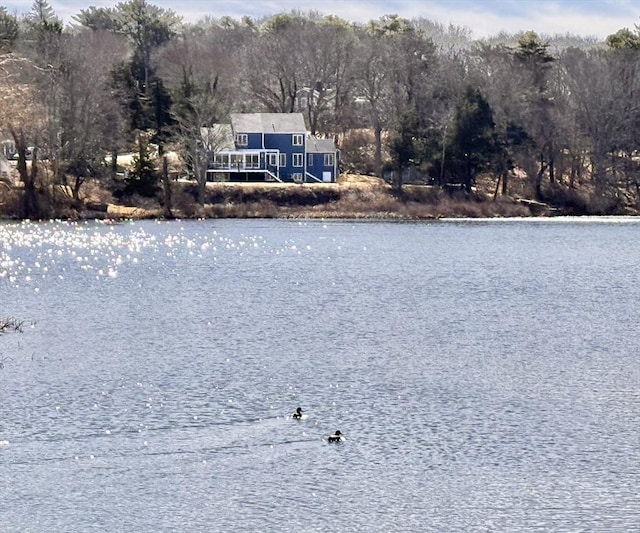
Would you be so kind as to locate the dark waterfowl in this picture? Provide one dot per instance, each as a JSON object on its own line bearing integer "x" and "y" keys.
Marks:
{"x": 298, "y": 414}
{"x": 336, "y": 437}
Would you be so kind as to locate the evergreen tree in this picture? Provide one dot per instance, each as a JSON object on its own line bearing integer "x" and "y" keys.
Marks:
{"x": 404, "y": 146}
{"x": 143, "y": 177}
{"x": 534, "y": 62}
{"x": 43, "y": 27}
{"x": 98, "y": 18}
{"x": 8, "y": 30}
{"x": 624, "y": 39}
{"x": 472, "y": 145}
{"x": 147, "y": 27}
{"x": 163, "y": 130}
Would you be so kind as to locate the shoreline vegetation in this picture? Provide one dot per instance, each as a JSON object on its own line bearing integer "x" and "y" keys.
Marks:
{"x": 352, "y": 197}
{"x": 113, "y": 115}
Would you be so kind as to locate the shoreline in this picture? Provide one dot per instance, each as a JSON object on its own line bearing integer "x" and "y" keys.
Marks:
{"x": 353, "y": 198}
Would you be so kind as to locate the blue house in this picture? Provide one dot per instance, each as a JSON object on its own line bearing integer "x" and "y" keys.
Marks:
{"x": 269, "y": 147}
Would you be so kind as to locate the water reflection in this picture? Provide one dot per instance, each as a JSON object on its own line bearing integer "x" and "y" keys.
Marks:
{"x": 478, "y": 380}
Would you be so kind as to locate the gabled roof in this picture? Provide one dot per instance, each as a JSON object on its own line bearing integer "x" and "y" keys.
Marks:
{"x": 320, "y": 146}
{"x": 268, "y": 123}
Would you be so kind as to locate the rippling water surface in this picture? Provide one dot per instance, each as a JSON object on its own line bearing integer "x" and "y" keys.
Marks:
{"x": 485, "y": 374}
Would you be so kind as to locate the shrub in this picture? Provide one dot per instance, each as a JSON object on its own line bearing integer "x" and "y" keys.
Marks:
{"x": 11, "y": 202}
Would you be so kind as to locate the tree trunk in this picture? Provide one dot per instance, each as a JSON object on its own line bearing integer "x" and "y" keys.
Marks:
{"x": 166, "y": 186}
{"x": 574, "y": 172}
{"x": 30, "y": 204}
{"x": 468, "y": 174}
{"x": 444, "y": 153}
{"x": 505, "y": 183}
{"x": 378, "y": 148}
{"x": 200, "y": 172}
{"x": 114, "y": 163}
{"x": 397, "y": 180}
{"x": 495, "y": 192}
{"x": 202, "y": 185}
{"x": 538, "y": 182}
{"x": 599, "y": 175}
{"x": 313, "y": 115}
{"x": 77, "y": 183}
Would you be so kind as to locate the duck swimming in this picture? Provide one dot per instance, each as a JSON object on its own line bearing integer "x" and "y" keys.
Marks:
{"x": 298, "y": 414}
{"x": 336, "y": 437}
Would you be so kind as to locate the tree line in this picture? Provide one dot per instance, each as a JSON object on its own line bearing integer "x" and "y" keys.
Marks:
{"x": 558, "y": 113}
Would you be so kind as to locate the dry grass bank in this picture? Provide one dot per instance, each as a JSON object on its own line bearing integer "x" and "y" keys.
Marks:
{"x": 354, "y": 196}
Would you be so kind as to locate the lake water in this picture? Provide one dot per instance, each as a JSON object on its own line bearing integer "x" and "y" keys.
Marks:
{"x": 485, "y": 374}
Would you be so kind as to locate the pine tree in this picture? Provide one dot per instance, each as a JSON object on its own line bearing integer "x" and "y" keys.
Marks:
{"x": 143, "y": 177}
{"x": 472, "y": 144}
{"x": 8, "y": 30}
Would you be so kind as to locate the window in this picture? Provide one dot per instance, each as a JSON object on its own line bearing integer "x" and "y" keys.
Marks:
{"x": 297, "y": 139}
{"x": 297, "y": 160}
{"x": 309, "y": 160}
{"x": 272, "y": 159}
{"x": 221, "y": 160}
{"x": 253, "y": 160}
{"x": 297, "y": 177}
{"x": 283, "y": 160}
{"x": 328, "y": 160}
{"x": 242, "y": 139}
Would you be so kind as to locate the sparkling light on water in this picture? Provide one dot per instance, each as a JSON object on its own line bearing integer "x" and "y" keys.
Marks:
{"x": 97, "y": 248}
{"x": 485, "y": 375}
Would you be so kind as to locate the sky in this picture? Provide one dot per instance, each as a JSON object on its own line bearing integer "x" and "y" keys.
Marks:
{"x": 485, "y": 18}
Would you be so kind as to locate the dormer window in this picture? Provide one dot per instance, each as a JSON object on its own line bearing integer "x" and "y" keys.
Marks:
{"x": 297, "y": 139}
{"x": 242, "y": 139}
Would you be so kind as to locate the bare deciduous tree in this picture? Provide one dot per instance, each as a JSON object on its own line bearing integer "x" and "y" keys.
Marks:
{"x": 88, "y": 117}
{"x": 196, "y": 68}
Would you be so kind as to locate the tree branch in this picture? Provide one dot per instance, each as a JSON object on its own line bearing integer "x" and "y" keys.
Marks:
{"x": 10, "y": 324}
